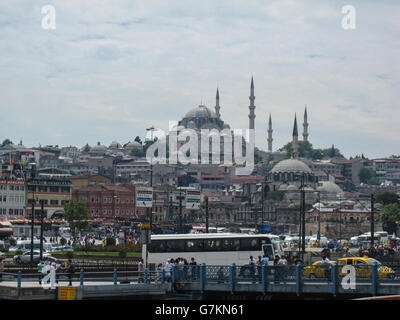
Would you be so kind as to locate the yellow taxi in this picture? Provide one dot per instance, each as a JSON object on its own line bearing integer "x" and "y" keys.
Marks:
{"x": 363, "y": 266}
{"x": 316, "y": 270}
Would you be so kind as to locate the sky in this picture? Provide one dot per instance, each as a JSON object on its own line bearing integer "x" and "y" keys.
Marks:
{"x": 112, "y": 68}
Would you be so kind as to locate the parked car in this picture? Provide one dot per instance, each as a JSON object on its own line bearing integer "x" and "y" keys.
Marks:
{"x": 316, "y": 270}
{"x": 26, "y": 257}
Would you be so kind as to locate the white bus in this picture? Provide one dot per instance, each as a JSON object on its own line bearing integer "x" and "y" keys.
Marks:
{"x": 25, "y": 245}
{"x": 213, "y": 248}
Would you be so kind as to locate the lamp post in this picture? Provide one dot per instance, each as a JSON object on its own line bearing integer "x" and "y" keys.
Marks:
{"x": 151, "y": 129}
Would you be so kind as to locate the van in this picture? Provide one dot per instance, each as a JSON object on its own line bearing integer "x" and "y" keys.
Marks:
{"x": 25, "y": 245}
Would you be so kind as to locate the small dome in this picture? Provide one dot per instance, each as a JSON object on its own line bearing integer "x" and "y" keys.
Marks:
{"x": 283, "y": 187}
{"x": 329, "y": 187}
{"x": 292, "y": 187}
{"x": 226, "y": 126}
{"x": 115, "y": 145}
{"x": 200, "y": 112}
{"x": 291, "y": 165}
{"x": 133, "y": 145}
{"x": 98, "y": 148}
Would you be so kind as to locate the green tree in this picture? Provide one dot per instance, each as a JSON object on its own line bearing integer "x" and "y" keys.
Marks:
{"x": 387, "y": 198}
{"x": 365, "y": 174}
{"x": 76, "y": 213}
{"x": 6, "y": 142}
{"x": 275, "y": 195}
{"x": 390, "y": 215}
{"x": 373, "y": 182}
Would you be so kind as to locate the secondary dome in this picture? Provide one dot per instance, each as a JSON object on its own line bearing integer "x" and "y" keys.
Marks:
{"x": 329, "y": 187}
{"x": 291, "y": 165}
{"x": 200, "y": 112}
{"x": 133, "y": 145}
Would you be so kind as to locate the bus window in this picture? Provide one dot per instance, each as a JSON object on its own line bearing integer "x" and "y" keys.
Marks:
{"x": 194, "y": 245}
{"x": 175, "y": 245}
{"x": 231, "y": 245}
{"x": 213, "y": 245}
{"x": 157, "y": 246}
{"x": 249, "y": 244}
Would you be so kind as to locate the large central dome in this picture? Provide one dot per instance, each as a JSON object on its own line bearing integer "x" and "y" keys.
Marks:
{"x": 200, "y": 112}
{"x": 291, "y": 165}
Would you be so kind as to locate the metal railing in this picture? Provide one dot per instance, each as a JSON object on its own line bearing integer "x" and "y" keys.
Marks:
{"x": 232, "y": 275}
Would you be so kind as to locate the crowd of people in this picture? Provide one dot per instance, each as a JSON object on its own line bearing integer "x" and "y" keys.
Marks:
{"x": 45, "y": 267}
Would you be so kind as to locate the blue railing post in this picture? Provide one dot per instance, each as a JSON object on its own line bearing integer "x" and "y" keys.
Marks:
{"x": 115, "y": 276}
{"x": 232, "y": 277}
{"x": 202, "y": 276}
{"x": 146, "y": 275}
{"x": 19, "y": 279}
{"x": 174, "y": 274}
{"x": 335, "y": 278}
{"x": 264, "y": 277}
{"x": 374, "y": 278}
{"x": 299, "y": 280}
{"x": 81, "y": 277}
{"x": 163, "y": 275}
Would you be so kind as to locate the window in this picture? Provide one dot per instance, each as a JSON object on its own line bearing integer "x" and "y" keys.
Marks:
{"x": 250, "y": 244}
{"x": 54, "y": 202}
{"x": 213, "y": 245}
{"x": 194, "y": 245}
{"x": 157, "y": 246}
{"x": 53, "y": 189}
{"x": 64, "y": 202}
{"x": 231, "y": 244}
{"x": 175, "y": 245}
{"x": 105, "y": 200}
{"x": 65, "y": 189}
{"x": 42, "y": 188}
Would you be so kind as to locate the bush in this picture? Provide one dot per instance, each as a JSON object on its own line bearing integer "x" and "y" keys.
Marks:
{"x": 110, "y": 241}
{"x": 63, "y": 241}
{"x": 12, "y": 242}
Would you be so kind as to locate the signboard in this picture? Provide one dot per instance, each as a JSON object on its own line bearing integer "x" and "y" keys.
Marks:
{"x": 66, "y": 293}
{"x": 144, "y": 197}
{"x": 266, "y": 228}
{"x": 193, "y": 199}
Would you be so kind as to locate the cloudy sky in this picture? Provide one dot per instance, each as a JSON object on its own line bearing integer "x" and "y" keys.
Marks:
{"x": 112, "y": 68}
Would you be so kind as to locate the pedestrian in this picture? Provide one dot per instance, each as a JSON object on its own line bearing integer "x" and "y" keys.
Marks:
{"x": 326, "y": 265}
{"x": 70, "y": 271}
{"x": 265, "y": 260}
{"x": 276, "y": 269}
{"x": 167, "y": 268}
{"x": 159, "y": 273}
{"x": 141, "y": 270}
{"x": 193, "y": 268}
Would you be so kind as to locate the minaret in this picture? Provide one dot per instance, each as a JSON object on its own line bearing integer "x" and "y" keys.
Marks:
{"x": 217, "y": 107}
{"x": 270, "y": 134}
{"x": 295, "y": 141}
{"x": 252, "y": 116}
{"x": 305, "y": 126}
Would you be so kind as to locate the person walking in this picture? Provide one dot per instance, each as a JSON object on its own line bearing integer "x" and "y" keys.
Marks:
{"x": 40, "y": 269}
{"x": 193, "y": 268}
{"x": 70, "y": 271}
{"x": 141, "y": 270}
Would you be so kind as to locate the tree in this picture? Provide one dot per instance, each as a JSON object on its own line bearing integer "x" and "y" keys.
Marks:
{"x": 390, "y": 215}
{"x": 365, "y": 174}
{"x": 76, "y": 213}
{"x": 373, "y": 182}
{"x": 275, "y": 195}
{"x": 387, "y": 198}
{"x": 6, "y": 142}
{"x": 137, "y": 139}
